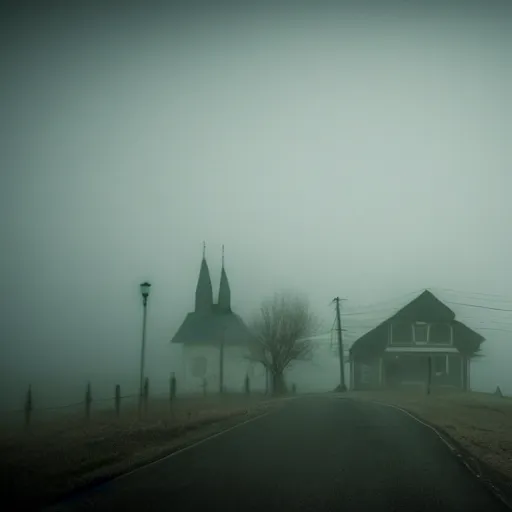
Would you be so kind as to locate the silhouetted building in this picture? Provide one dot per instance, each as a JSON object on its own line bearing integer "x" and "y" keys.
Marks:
{"x": 213, "y": 330}
{"x": 422, "y": 343}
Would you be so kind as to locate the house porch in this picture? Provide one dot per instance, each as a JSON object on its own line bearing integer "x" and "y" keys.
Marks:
{"x": 403, "y": 369}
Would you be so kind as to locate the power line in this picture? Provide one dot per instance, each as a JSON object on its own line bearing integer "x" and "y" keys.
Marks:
{"x": 492, "y": 329}
{"x": 390, "y": 309}
{"x": 356, "y": 313}
{"x": 363, "y": 327}
{"x": 370, "y": 308}
{"x": 465, "y": 318}
{"x": 374, "y": 316}
{"x": 342, "y": 386}
{"x": 499, "y": 323}
{"x": 461, "y": 292}
{"x": 387, "y": 301}
{"x": 477, "y": 306}
{"x": 314, "y": 337}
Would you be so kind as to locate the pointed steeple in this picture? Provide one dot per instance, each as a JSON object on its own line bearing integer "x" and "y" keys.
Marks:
{"x": 224, "y": 290}
{"x": 204, "y": 293}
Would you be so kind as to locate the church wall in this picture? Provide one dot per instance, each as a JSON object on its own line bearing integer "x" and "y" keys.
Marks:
{"x": 203, "y": 362}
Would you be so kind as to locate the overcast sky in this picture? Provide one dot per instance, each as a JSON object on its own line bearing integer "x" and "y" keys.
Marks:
{"x": 353, "y": 151}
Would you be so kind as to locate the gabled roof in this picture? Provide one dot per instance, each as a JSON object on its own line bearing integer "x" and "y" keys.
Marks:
{"x": 213, "y": 328}
{"x": 424, "y": 308}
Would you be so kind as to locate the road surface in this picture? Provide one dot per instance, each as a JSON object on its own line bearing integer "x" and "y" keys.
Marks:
{"x": 314, "y": 454}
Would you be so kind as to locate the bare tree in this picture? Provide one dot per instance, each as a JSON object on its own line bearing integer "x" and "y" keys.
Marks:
{"x": 281, "y": 333}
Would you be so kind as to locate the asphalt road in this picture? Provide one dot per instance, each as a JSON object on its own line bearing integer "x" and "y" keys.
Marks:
{"x": 315, "y": 454}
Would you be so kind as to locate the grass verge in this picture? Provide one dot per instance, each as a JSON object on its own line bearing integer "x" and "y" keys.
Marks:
{"x": 53, "y": 459}
{"x": 479, "y": 425}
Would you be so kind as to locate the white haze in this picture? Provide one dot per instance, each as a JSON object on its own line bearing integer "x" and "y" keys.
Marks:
{"x": 333, "y": 152}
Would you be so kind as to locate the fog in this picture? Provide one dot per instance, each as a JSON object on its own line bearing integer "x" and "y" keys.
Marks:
{"x": 334, "y": 150}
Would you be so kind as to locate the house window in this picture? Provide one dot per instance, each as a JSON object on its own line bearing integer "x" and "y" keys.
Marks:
{"x": 440, "y": 334}
{"x": 401, "y": 334}
{"x": 420, "y": 332}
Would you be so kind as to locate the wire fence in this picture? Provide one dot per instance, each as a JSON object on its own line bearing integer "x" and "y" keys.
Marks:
{"x": 135, "y": 404}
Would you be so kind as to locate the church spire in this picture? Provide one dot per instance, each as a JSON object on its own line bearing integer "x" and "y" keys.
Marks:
{"x": 224, "y": 290}
{"x": 204, "y": 293}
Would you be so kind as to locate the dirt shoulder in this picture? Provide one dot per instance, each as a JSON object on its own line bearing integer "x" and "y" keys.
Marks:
{"x": 479, "y": 425}
{"x": 51, "y": 460}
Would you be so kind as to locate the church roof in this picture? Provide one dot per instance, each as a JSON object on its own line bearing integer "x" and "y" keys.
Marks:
{"x": 213, "y": 328}
{"x": 204, "y": 292}
{"x": 210, "y": 323}
{"x": 224, "y": 302}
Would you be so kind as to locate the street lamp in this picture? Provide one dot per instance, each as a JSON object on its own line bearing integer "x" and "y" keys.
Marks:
{"x": 144, "y": 290}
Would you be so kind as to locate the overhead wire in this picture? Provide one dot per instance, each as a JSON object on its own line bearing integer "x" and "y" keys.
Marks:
{"x": 374, "y": 316}
{"x": 358, "y": 313}
{"x": 379, "y": 307}
{"x": 487, "y": 321}
{"x": 492, "y": 329}
{"x": 370, "y": 308}
{"x": 391, "y": 299}
{"x": 461, "y": 292}
{"x": 478, "y": 306}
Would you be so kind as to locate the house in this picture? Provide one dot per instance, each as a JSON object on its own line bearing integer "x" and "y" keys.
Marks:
{"x": 422, "y": 341}
{"x": 215, "y": 340}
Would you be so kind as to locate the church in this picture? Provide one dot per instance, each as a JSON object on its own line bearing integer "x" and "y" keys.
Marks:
{"x": 215, "y": 342}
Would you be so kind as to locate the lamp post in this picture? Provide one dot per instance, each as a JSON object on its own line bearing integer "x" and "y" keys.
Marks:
{"x": 144, "y": 289}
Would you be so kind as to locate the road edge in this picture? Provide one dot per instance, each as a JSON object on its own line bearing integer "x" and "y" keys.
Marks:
{"x": 225, "y": 425}
{"x": 491, "y": 479}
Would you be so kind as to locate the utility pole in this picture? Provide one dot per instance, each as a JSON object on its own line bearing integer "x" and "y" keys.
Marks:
{"x": 342, "y": 386}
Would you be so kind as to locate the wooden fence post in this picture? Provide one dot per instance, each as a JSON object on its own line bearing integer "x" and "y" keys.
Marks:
{"x": 294, "y": 388}
{"x": 88, "y": 401}
{"x": 172, "y": 392}
{"x": 172, "y": 387}
{"x": 118, "y": 399}
{"x": 205, "y": 386}
{"x": 146, "y": 394}
{"x": 429, "y": 374}
{"x": 247, "y": 385}
{"x": 28, "y": 406}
